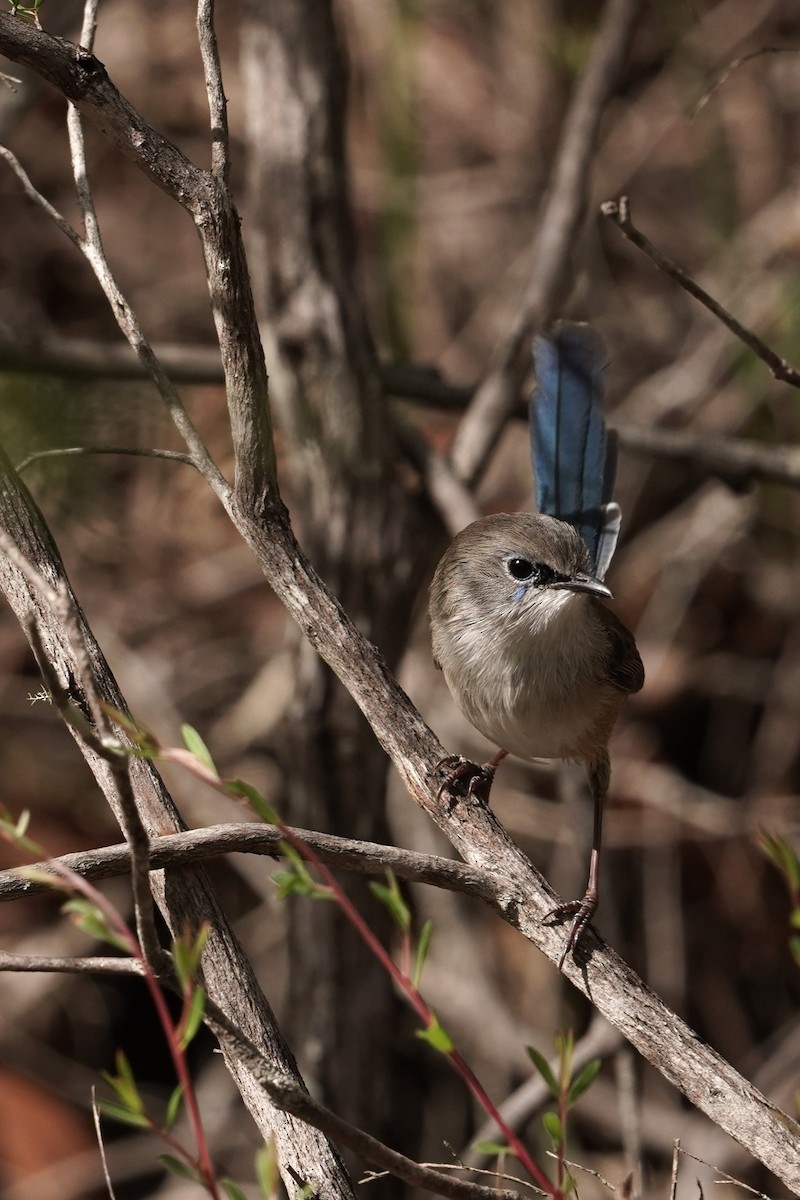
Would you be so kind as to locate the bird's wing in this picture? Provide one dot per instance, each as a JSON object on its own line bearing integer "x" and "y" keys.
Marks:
{"x": 624, "y": 667}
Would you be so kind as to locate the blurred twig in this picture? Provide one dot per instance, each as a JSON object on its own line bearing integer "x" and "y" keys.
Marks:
{"x": 77, "y": 451}
{"x": 550, "y": 264}
{"x": 730, "y": 68}
{"x": 618, "y": 212}
{"x": 729, "y": 458}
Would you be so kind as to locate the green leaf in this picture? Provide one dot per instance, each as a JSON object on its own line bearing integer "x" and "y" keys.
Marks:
{"x": 267, "y": 1169}
{"x": 14, "y": 832}
{"x": 783, "y": 856}
{"x": 232, "y": 1190}
{"x": 583, "y": 1080}
{"x": 553, "y": 1127}
{"x": 423, "y": 946}
{"x": 492, "y": 1149}
{"x": 145, "y": 745}
{"x": 238, "y": 787}
{"x": 299, "y": 881}
{"x": 438, "y": 1037}
{"x": 194, "y": 1017}
{"x": 124, "y": 1085}
{"x": 196, "y": 746}
{"x": 543, "y": 1067}
{"x": 89, "y": 918}
{"x": 186, "y": 954}
{"x": 174, "y": 1106}
{"x": 392, "y": 899}
{"x": 565, "y": 1047}
{"x": 178, "y": 1167}
{"x": 119, "y": 1113}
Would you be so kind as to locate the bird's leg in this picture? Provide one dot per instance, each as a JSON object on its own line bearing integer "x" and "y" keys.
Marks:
{"x": 599, "y": 775}
{"x": 480, "y": 775}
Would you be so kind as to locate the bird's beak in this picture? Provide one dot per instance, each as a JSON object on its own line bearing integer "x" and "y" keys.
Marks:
{"x": 581, "y": 582}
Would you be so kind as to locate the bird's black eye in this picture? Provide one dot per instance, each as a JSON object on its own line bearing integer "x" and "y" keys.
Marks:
{"x": 521, "y": 568}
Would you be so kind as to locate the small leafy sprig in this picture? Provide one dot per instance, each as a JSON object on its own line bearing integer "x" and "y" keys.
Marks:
{"x": 566, "y": 1089}
{"x": 93, "y": 913}
{"x": 29, "y": 11}
{"x": 309, "y": 876}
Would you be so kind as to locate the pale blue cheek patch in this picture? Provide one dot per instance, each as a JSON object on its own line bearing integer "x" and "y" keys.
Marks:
{"x": 520, "y": 592}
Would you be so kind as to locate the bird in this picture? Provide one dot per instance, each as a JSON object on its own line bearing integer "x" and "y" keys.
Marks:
{"x": 530, "y": 653}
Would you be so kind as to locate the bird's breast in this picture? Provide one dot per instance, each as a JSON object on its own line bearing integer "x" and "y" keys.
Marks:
{"x": 537, "y": 693}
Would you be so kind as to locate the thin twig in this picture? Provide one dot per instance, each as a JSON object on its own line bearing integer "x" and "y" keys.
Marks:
{"x": 96, "y": 735}
{"x": 36, "y": 196}
{"x": 217, "y": 104}
{"x": 726, "y": 457}
{"x": 87, "y": 965}
{"x": 101, "y": 1144}
{"x": 723, "y": 75}
{"x": 673, "y": 1189}
{"x": 134, "y": 451}
{"x": 728, "y": 1178}
{"x": 89, "y": 25}
{"x": 92, "y": 249}
{"x": 286, "y": 1094}
{"x": 100, "y": 741}
{"x": 452, "y": 500}
{"x": 618, "y": 211}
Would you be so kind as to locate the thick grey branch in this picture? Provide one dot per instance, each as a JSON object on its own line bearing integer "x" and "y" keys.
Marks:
{"x": 196, "y": 845}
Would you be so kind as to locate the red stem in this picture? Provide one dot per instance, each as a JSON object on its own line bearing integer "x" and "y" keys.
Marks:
{"x": 421, "y": 1007}
{"x": 115, "y": 922}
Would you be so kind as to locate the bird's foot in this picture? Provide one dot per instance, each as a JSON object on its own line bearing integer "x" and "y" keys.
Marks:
{"x": 582, "y": 911}
{"x": 475, "y": 779}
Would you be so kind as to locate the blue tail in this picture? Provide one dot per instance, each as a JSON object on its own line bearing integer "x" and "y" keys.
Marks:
{"x": 574, "y": 458}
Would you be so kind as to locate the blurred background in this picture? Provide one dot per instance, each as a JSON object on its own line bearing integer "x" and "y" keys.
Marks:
{"x": 454, "y": 116}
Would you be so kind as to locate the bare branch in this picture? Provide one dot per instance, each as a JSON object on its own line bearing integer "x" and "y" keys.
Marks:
{"x": 36, "y": 196}
{"x": 727, "y": 458}
{"x": 618, "y": 211}
{"x": 550, "y": 264}
{"x": 286, "y": 1094}
{"x": 71, "y": 966}
{"x": 725, "y": 74}
{"x": 98, "y": 739}
{"x": 83, "y": 80}
{"x": 453, "y": 501}
{"x": 251, "y": 837}
{"x": 217, "y": 104}
{"x": 132, "y": 451}
{"x": 91, "y": 247}
{"x": 84, "y": 358}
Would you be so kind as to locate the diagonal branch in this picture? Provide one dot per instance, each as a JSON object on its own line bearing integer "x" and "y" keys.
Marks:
{"x": 550, "y": 262}
{"x": 619, "y": 213}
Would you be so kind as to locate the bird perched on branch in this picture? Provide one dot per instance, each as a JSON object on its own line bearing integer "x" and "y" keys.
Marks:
{"x": 531, "y": 656}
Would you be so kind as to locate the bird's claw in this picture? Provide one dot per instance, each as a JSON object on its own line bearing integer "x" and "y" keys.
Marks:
{"x": 480, "y": 776}
{"x": 582, "y": 911}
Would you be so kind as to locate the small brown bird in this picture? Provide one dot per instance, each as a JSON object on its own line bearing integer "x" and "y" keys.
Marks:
{"x": 531, "y": 656}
